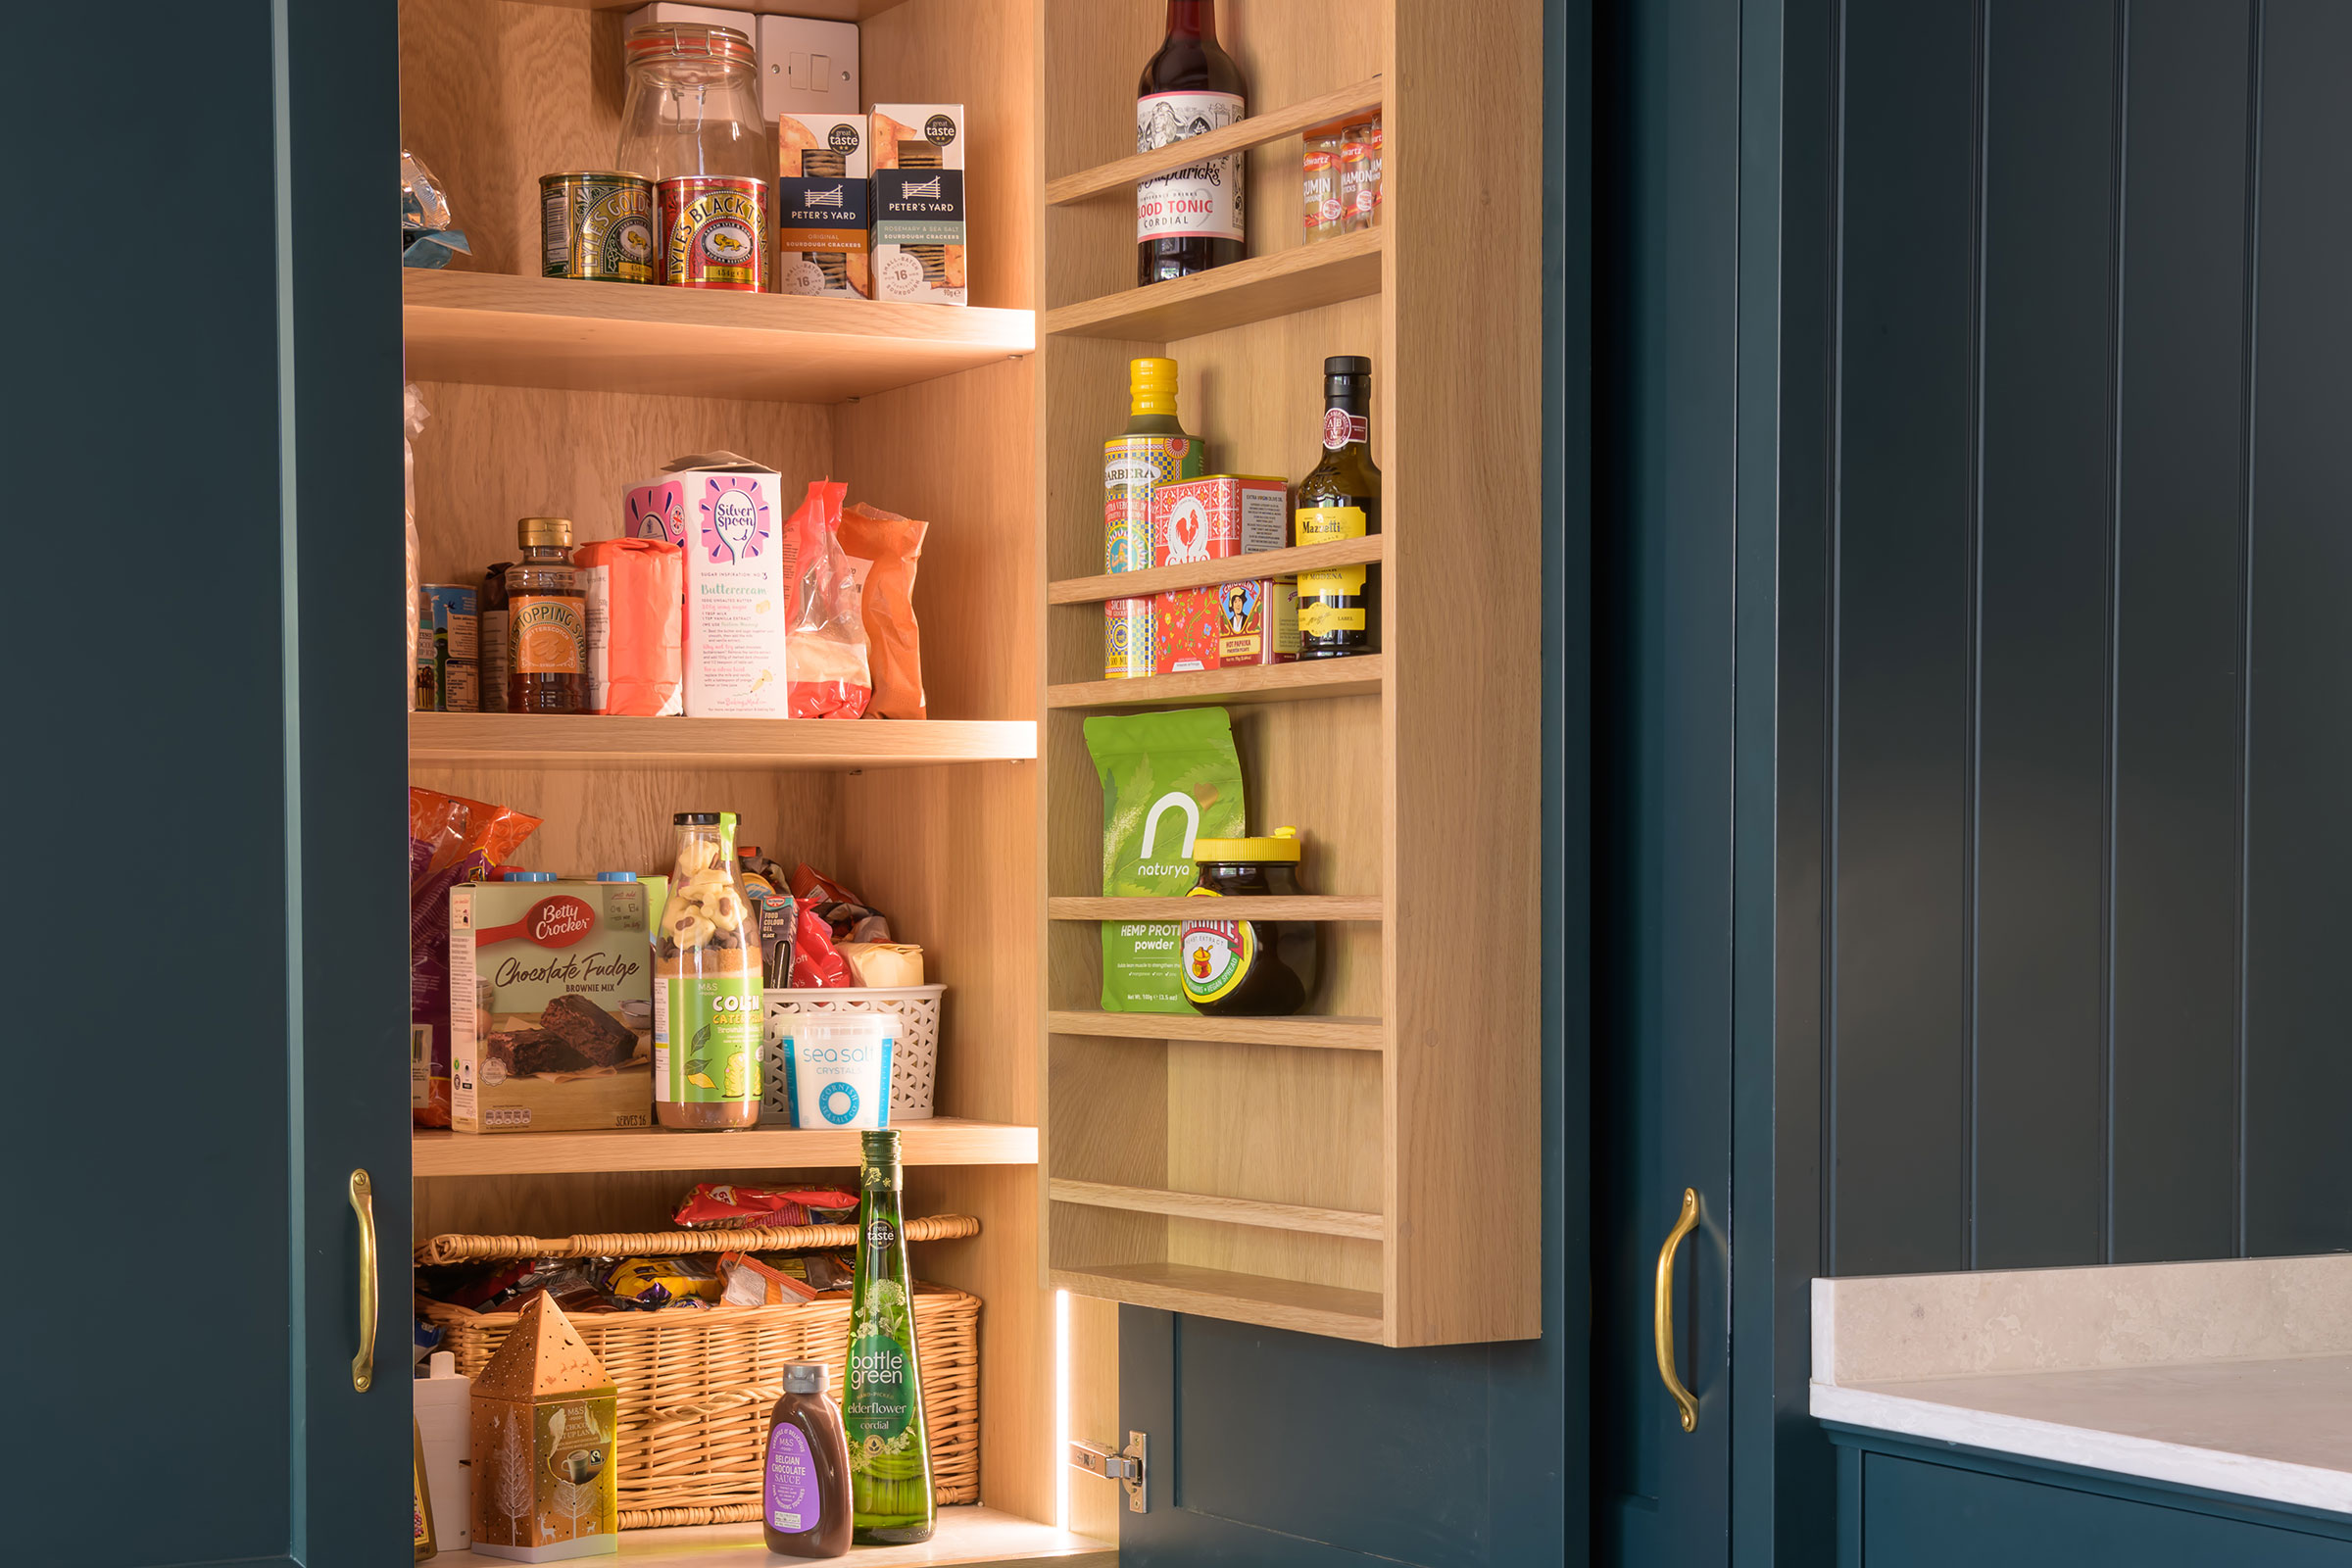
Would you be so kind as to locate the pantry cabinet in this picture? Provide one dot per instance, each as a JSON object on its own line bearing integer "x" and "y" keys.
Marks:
{"x": 1365, "y": 1171}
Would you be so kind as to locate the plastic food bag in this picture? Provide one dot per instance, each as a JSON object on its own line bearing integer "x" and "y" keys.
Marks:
{"x": 635, "y": 653}
{"x": 412, "y": 415}
{"x": 727, "y": 1206}
{"x": 825, "y": 670}
{"x": 1167, "y": 779}
{"x": 451, "y": 840}
{"x": 882, "y": 549}
{"x": 426, "y": 237}
{"x": 815, "y": 961}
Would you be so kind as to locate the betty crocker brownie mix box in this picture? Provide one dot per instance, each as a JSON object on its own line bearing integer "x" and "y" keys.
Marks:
{"x": 551, "y": 1004}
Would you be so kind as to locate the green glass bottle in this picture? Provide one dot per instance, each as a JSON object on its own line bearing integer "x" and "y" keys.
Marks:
{"x": 890, "y": 1443}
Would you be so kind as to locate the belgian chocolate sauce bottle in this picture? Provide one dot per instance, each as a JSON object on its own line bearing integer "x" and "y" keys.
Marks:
{"x": 804, "y": 1494}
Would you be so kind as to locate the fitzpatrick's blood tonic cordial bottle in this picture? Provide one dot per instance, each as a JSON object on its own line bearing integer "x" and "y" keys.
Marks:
{"x": 1190, "y": 221}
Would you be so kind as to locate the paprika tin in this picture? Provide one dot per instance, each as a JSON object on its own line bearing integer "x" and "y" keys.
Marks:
{"x": 596, "y": 223}
{"x": 714, "y": 232}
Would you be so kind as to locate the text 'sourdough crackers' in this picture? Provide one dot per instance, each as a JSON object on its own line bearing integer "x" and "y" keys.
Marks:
{"x": 919, "y": 213}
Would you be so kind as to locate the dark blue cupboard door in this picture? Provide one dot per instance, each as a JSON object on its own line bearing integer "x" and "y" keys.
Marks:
{"x": 204, "y": 796}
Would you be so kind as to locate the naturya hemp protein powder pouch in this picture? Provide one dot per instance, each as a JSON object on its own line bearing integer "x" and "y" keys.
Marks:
{"x": 1167, "y": 779}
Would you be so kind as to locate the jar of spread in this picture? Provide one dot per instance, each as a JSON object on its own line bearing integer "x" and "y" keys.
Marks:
{"x": 1248, "y": 968}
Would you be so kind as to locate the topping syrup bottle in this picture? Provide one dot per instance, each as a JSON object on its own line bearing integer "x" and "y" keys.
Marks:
{"x": 805, "y": 1490}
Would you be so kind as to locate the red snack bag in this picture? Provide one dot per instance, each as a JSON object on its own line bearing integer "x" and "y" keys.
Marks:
{"x": 636, "y": 658}
{"x": 725, "y": 1206}
{"x": 811, "y": 886}
{"x": 451, "y": 839}
{"x": 825, "y": 668}
{"x": 882, "y": 549}
{"x": 815, "y": 961}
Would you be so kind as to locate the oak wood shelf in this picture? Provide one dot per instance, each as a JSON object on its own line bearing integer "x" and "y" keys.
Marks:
{"x": 580, "y": 336}
{"x": 1104, "y": 180}
{"x": 826, "y": 10}
{"x": 1285, "y": 563}
{"x": 1282, "y": 1303}
{"x": 1259, "y": 289}
{"x": 588, "y": 740}
{"x": 965, "y": 1535}
{"x": 1299, "y": 1029}
{"x": 1303, "y": 907}
{"x": 1258, "y": 683}
{"x": 938, "y": 1141}
{"x": 1349, "y": 1222}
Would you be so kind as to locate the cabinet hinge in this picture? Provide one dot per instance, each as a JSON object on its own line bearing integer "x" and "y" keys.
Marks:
{"x": 1123, "y": 1465}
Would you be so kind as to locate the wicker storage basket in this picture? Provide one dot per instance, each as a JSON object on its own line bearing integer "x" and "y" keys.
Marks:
{"x": 696, "y": 1387}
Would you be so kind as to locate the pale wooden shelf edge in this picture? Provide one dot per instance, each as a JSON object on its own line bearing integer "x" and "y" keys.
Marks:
{"x": 1283, "y": 562}
{"x": 1237, "y": 1298}
{"x": 587, "y": 740}
{"x": 1308, "y": 907}
{"x": 971, "y": 1533}
{"x": 1348, "y": 1222}
{"x": 1297, "y": 1029}
{"x": 1305, "y": 680}
{"x": 1283, "y": 283}
{"x": 1105, "y": 178}
{"x": 937, "y": 1141}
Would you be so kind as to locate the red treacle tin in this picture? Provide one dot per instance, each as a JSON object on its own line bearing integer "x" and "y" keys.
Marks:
{"x": 714, "y": 232}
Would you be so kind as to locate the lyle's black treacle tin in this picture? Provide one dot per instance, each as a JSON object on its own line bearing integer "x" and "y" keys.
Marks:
{"x": 598, "y": 223}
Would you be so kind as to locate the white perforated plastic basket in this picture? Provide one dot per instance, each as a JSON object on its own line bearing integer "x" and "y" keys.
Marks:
{"x": 913, "y": 1065}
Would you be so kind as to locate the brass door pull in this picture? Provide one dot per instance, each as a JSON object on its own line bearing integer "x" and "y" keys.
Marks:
{"x": 362, "y": 1203}
{"x": 1665, "y": 1312}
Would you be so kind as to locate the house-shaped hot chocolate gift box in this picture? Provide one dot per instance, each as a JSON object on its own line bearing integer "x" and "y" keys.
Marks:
{"x": 544, "y": 1422}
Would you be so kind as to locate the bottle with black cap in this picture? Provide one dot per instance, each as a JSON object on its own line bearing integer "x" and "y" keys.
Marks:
{"x": 1339, "y": 613}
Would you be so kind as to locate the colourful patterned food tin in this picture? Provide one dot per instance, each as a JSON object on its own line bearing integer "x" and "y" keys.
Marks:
{"x": 596, "y": 223}
{"x": 1132, "y": 464}
{"x": 714, "y": 232}
{"x": 1127, "y": 637}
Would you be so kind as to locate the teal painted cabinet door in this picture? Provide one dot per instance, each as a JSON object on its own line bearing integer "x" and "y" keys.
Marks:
{"x": 204, "y": 790}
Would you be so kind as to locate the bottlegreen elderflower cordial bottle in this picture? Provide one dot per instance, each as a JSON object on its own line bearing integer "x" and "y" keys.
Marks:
{"x": 890, "y": 1445}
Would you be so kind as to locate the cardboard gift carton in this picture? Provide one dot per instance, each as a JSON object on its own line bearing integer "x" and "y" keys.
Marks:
{"x": 545, "y": 1422}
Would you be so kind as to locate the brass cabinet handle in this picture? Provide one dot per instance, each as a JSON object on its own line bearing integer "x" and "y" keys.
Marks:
{"x": 1665, "y": 1313}
{"x": 362, "y": 1203}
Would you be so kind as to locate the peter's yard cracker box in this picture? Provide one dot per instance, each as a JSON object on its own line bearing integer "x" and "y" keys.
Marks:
{"x": 551, "y": 990}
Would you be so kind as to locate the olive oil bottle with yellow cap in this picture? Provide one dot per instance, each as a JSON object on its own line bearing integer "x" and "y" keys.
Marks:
{"x": 1152, "y": 450}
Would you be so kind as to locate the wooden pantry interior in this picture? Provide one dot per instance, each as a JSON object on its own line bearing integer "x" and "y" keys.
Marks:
{"x": 1367, "y": 1170}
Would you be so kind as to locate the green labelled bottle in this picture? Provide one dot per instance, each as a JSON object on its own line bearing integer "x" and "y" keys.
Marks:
{"x": 890, "y": 1443}
{"x": 1338, "y": 612}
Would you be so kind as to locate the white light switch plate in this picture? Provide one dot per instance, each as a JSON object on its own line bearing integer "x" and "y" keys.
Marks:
{"x": 807, "y": 66}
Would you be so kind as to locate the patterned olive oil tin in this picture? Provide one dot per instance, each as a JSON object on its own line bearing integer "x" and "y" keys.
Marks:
{"x": 598, "y": 223}
{"x": 714, "y": 232}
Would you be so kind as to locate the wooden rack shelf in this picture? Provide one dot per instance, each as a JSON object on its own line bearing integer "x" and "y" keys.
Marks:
{"x": 1280, "y": 1303}
{"x": 1308, "y": 907}
{"x": 586, "y": 740}
{"x": 974, "y": 1534}
{"x": 1104, "y": 180}
{"x": 1348, "y": 1222}
{"x": 1302, "y": 1030}
{"x": 1207, "y": 573}
{"x": 586, "y": 336}
{"x": 1258, "y": 289}
{"x": 1261, "y": 683}
{"x": 938, "y": 1141}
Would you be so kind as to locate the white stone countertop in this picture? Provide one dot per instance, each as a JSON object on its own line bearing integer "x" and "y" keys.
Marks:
{"x": 2233, "y": 1376}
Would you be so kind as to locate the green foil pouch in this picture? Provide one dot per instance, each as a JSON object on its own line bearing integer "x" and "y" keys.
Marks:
{"x": 1167, "y": 779}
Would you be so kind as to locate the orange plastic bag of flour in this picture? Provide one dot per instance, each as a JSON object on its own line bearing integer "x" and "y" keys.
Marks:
{"x": 825, "y": 671}
{"x": 636, "y": 659}
{"x": 883, "y": 549}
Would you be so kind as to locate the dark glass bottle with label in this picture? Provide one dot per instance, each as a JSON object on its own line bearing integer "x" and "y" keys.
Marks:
{"x": 890, "y": 1443}
{"x": 1190, "y": 221}
{"x": 1339, "y": 607}
{"x": 547, "y": 622}
{"x": 805, "y": 1493}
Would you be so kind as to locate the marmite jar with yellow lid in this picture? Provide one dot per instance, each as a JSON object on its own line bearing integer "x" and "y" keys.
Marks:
{"x": 1243, "y": 969}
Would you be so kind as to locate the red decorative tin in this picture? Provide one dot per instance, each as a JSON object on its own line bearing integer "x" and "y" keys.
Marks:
{"x": 714, "y": 232}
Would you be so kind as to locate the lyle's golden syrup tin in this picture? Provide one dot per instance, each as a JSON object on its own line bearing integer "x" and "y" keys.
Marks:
{"x": 714, "y": 232}
{"x": 598, "y": 223}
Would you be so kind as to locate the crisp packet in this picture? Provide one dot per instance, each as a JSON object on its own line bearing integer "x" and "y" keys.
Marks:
{"x": 779, "y": 1279}
{"x": 725, "y": 1206}
{"x": 659, "y": 1282}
